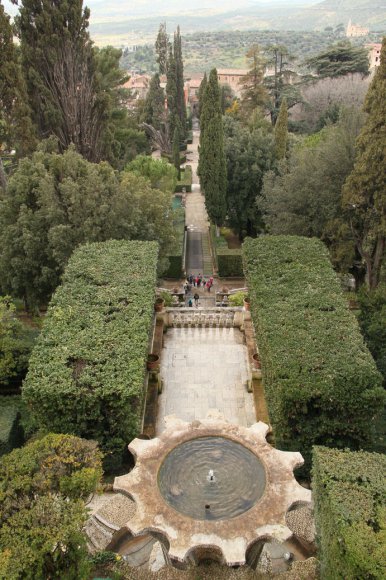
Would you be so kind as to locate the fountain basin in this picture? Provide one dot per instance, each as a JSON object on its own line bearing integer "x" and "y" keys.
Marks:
{"x": 211, "y": 478}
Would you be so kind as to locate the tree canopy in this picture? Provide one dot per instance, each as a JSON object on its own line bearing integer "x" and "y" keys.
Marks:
{"x": 254, "y": 93}
{"x": 340, "y": 59}
{"x": 364, "y": 194}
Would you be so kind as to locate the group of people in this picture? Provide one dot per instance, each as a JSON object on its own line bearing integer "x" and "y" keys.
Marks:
{"x": 198, "y": 281}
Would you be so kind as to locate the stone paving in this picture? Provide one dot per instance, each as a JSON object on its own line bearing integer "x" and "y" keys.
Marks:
{"x": 202, "y": 369}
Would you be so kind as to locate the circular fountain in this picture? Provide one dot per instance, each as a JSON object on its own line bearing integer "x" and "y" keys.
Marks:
{"x": 212, "y": 485}
{"x": 211, "y": 478}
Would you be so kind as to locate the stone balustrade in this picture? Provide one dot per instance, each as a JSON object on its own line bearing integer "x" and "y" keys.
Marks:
{"x": 215, "y": 317}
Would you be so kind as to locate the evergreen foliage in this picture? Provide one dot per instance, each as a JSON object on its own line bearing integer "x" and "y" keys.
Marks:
{"x": 254, "y": 93}
{"x": 321, "y": 383}
{"x": 162, "y": 49}
{"x": 154, "y": 108}
{"x": 161, "y": 174}
{"x": 212, "y": 164}
{"x": 281, "y": 131}
{"x": 56, "y": 202}
{"x": 60, "y": 69}
{"x": 364, "y": 194}
{"x": 16, "y": 342}
{"x": 16, "y": 130}
{"x": 171, "y": 92}
{"x": 87, "y": 371}
{"x": 340, "y": 59}
{"x": 201, "y": 92}
{"x": 180, "y": 104}
{"x": 372, "y": 320}
{"x": 176, "y": 149}
{"x": 43, "y": 488}
{"x": 249, "y": 155}
{"x": 349, "y": 493}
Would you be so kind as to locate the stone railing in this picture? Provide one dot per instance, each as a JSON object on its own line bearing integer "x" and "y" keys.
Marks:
{"x": 215, "y": 317}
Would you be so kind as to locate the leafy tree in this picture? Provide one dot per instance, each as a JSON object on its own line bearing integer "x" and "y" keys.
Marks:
{"x": 55, "y": 202}
{"x": 212, "y": 165}
{"x": 364, "y": 191}
{"x": 339, "y": 60}
{"x": 254, "y": 94}
{"x": 227, "y": 97}
{"x": 280, "y": 79}
{"x": 42, "y": 511}
{"x": 281, "y": 131}
{"x": 16, "y": 130}
{"x": 249, "y": 154}
{"x": 161, "y": 174}
{"x": 60, "y": 68}
{"x": 304, "y": 197}
{"x": 16, "y": 342}
{"x": 162, "y": 49}
{"x": 154, "y": 109}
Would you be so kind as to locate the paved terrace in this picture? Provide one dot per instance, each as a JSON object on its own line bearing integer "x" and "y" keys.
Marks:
{"x": 202, "y": 369}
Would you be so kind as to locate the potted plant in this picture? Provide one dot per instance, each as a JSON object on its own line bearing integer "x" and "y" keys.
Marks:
{"x": 237, "y": 299}
{"x": 256, "y": 360}
{"x": 247, "y": 305}
{"x": 159, "y": 304}
{"x": 152, "y": 362}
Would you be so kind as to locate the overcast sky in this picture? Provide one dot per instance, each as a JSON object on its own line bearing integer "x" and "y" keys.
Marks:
{"x": 143, "y": 8}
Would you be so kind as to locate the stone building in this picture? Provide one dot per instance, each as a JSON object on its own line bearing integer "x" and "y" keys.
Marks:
{"x": 232, "y": 77}
{"x": 355, "y": 31}
{"x": 374, "y": 54}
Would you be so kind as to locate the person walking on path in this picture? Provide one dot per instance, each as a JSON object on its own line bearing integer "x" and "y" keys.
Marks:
{"x": 196, "y": 299}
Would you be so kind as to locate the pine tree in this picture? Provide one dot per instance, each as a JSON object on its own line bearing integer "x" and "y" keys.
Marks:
{"x": 201, "y": 92}
{"x": 59, "y": 64}
{"x": 212, "y": 163}
{"x": 364, "y": 193}
{"x": 154, "y": 109}
{"x": 339, "y": 60}
{"x": 254, "y": 94}
{"x": 162, "y": 49}
{"x": 181, "y": 105}
{"x": 281, "y": 131}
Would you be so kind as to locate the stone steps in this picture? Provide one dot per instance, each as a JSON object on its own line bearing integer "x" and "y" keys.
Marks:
{"x": 207, "y": 256}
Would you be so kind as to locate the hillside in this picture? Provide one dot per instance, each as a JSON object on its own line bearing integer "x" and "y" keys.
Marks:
{"x": 370, "y": 13}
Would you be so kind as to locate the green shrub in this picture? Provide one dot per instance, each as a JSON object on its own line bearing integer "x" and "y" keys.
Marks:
{"x": 237, "y": 299}
{"x": 349, "y": 494}
{"x": 87, "y": 371}
{"x": 185, "y": 181}
{"x": 176, "y": 255}
{"x": 11, "y": 431}
{"x": 229, "y": 262}
{"x": 190, "y": 137}
{"x": 43, "y": 487}
{"x": 321, "y": 383}
{"x": 16, "y": 342}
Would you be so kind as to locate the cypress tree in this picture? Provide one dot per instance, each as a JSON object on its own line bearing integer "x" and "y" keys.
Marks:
{"x": 162, "y": 49}
{"x": 171, "y": 92}
{"x": 201, "y": 92}
{"x": 154, "y": 108}
{"x": 16, "y": 129}
{"x": 364, "y": 195}
{"x": 212, "y": 165}
{"x": 60, "y": 68}
{"x": 180, "y": 104}
{"x": 281, "y": 131}
{"x": 176, "y": 149}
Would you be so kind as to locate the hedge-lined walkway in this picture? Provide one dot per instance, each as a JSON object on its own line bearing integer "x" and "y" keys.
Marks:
{"x": 198, "y": 256}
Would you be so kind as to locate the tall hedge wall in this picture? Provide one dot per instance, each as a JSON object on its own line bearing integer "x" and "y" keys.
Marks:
{"x": 229, "y": 262}
{"x": 87, "y": 370}
{"x": 321, "y": 383}
{"x": 349, "y": 492}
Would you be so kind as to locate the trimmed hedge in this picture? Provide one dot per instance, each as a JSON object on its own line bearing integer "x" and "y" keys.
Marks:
{"x": 87, "y": 370}
{"x": 229, "y": 262}
{"x": 11, "y": 431}
{"x": 176, "y": 258}
{"x": 349, "y": 492}
{"x": 185, "y": 181}
{"x": 321, "y": 383}
{"x": 189, "y": 138}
